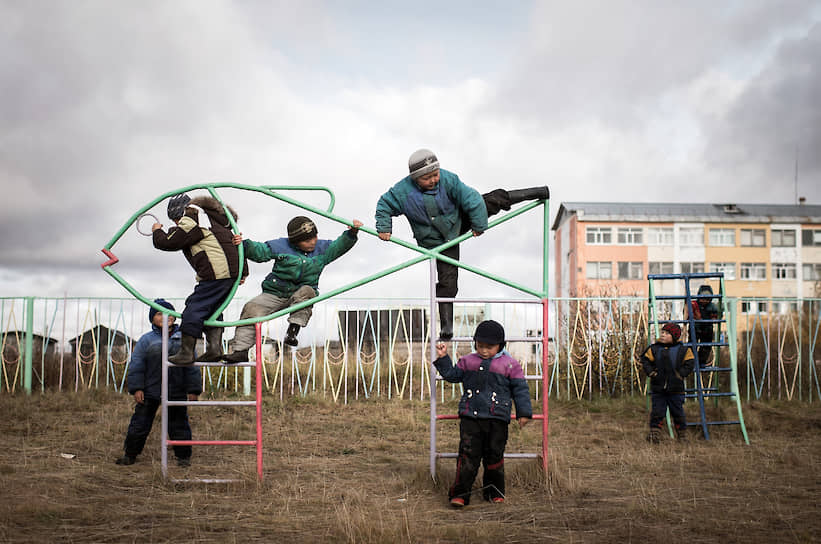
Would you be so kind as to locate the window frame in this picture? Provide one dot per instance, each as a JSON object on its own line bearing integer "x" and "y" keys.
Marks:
{"x": 777, "y": 237}
{"x": 716, "y": 237}
{"x": 599, "y": 268}
{"x": 753, "y": 233}
{"x": 750, "y": 271}
{"x": 634, "y": 268}
{"x": 599, "y": 233}
{"x": 722, "y": 267}
{"x": 626, "y": 236}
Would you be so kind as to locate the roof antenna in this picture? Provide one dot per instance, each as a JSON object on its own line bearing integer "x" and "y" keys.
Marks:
{"x": 796, "y": 174}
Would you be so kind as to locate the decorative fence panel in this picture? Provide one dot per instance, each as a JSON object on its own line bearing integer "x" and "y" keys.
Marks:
{"x": 357, "y": 348}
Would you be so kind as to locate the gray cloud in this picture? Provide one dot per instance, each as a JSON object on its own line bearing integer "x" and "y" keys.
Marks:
{"x": 776, "y": 115}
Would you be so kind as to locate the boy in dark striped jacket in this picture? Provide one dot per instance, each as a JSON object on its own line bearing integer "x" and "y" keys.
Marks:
{"x": 493, "y": 381}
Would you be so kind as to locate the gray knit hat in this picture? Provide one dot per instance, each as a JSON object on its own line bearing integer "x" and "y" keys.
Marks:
{"x": 422, "y": 162}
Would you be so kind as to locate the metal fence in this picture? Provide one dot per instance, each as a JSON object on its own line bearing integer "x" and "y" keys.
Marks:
{"x": 357, "y": 348}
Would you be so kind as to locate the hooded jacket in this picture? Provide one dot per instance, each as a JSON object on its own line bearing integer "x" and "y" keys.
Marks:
{"x": 491, "y": 386}
{"x": 145, "y": 367}
{"x": 435, "y": 216}
{"x": 671, "y": 362}
{"x": 210, "y": 252}
{"x": 294, "y": 268}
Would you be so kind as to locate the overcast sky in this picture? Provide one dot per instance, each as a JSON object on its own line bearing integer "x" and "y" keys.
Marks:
{"x": 107, "y": 105}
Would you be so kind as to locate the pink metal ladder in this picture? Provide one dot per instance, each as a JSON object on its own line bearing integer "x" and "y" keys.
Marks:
{"x": 257, "y": 403}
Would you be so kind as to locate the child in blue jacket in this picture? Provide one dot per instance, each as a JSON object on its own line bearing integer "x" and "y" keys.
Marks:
{"x": 145, "y": 383}
{"x": 493, "y": 381}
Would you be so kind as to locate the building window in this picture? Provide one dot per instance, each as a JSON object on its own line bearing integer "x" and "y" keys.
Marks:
{"x": 812, "y": 271}
{"x": 691, "y": 237}
{"x": 599, "y": 235}
{"x": 783, "y": 238}
{"x": 630, "y": 271}
{"x": 630, "y": 236}
{"x": 753, "y": 271}
{"x": 784, "y": 307}
{"x": 753, "y": 238}
{"x": 728, "y": 269}
{"x": 811, "y": 237}
{"x": 660, "y": 268}
{"x": 754, "y": 307}
{"x": 784, "y": 271}
{"x": 692, "y": 268}
{"x": 722, "y": 237}
{"x": 660, "y": 236}
{"x": 597, "y": 270}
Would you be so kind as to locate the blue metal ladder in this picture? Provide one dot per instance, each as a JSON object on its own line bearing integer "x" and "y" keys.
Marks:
{"x": 726, "y": 338}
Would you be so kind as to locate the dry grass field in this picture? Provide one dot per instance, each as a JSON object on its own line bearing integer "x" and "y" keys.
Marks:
{"x": 359, "y": 473}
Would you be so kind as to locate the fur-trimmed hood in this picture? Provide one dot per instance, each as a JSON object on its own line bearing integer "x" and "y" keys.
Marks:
{"x": 213, "y": 208}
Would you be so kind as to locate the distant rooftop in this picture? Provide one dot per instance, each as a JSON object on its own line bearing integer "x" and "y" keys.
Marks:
{"x": 664, "y": 212}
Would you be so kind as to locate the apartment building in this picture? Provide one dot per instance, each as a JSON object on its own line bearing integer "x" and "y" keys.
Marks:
{"x": 764, "y": 250}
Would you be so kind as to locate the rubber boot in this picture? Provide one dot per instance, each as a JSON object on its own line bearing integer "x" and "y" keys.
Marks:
{"x": 533, "y": 193}
{"x": 236, "y": 357}
{"x": 290, "y": 335}
{"x": 681, "y": 434}
{"x": 213, "y": 346}
{"x": 654, "y": 437}
{"x": 445, "y": 321}
{"x": 185, "y": 356}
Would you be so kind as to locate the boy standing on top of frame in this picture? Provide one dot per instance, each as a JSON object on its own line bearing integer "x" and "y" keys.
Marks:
{"x": 492, "y": 381}
{"x": 215, "y": 259}
{"x": 298, "y": 261}
{"x": 667, "y": 362}
{"x": 439, "y": 208}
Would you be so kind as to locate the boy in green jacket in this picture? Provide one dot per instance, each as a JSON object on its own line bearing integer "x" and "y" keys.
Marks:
{"x": 298, "y": 262}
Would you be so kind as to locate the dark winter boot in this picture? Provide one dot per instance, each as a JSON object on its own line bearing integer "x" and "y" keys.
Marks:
{"x": 236, "y": 357}
{"x": 533, "y": 193}
{"x": 290, "y": 335}
{"x": 126, "y": 460}
{"x": 654, "y": 437}
{"x": 213, "y": 346}
{"x": 681, "y": 434}
{"x": 185, "y": 356}
{"x": 445, "y": 321}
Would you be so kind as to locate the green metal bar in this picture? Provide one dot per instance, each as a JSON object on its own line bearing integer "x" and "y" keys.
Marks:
{"x": 27, "y": 372}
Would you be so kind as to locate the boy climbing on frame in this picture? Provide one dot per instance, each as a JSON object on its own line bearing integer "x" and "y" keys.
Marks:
{"x": 439, "y": 208}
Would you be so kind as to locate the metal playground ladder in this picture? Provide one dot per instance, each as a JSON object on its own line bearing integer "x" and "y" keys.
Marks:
{"x": 257, "y": 404}
{"x": 543, "y": 340}
{"x": 707, "y": 376}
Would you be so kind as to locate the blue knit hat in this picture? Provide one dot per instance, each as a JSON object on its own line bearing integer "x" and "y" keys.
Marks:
{"x": 153, "y": 311}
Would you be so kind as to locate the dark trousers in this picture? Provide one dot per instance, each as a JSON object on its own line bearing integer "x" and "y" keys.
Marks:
{"x": 143, "y": 419}
{"x": 661, "y": 402}
{"x": 206, "y": 298}
{"x": 480, "y": 440}
{"x": 447, "y": 275}
{"x": 704, "y": 334}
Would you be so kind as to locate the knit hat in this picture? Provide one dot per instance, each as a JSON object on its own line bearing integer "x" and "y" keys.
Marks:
{"x": 490, "y": 332}
{"x": 177, "y": 205}
{"x": 422, "y": 162}
{"x": 153, "y": 311}
{"x": 300, "y": 228}
{"x": 673, "y": 329}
